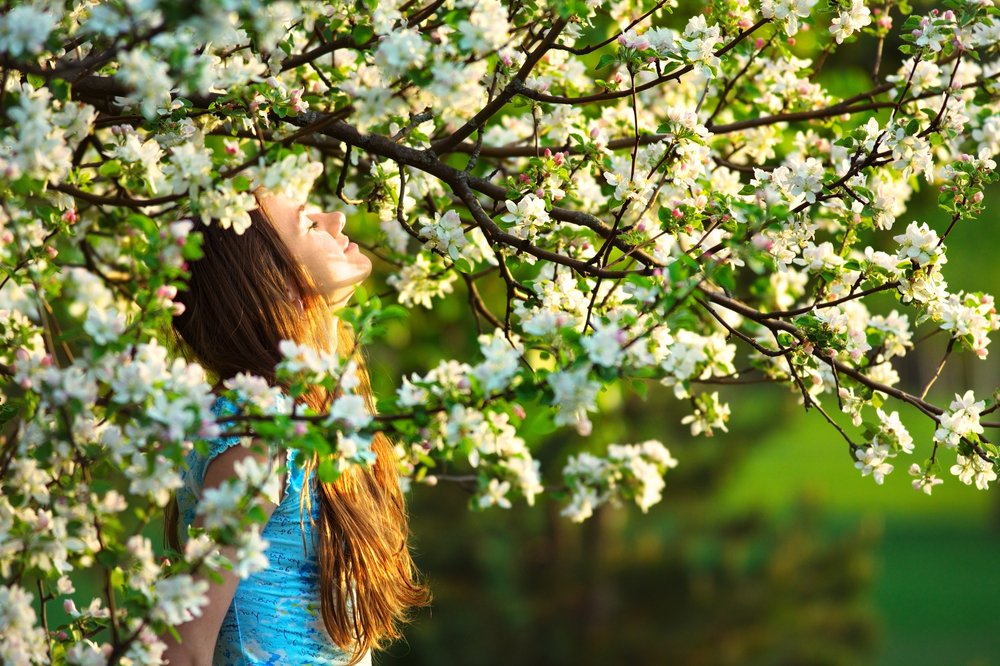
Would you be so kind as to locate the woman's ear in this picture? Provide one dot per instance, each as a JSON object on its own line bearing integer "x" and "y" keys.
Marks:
{"x": 292, "y": 289}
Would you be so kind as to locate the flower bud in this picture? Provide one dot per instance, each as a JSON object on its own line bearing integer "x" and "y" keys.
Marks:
{"x": 431, "y": 480}
{"x": 977, "y": 197}
{"x": 167, "y": 291}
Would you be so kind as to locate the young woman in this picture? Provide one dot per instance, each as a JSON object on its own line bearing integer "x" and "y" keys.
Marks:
{"x": 340, "y": 578}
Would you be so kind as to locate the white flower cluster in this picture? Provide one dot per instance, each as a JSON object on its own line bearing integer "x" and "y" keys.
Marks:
{"x": 960, "y": 420}
{"x": 631, "y": 471}
{"x": 851, "y": 20}
{"x": 422, "y": 281}
{"x": 574, "y": 394}
{"x": 787, "y": 12}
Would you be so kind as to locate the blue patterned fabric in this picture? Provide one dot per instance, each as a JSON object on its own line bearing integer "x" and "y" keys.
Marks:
{"x": 275, "y": 616}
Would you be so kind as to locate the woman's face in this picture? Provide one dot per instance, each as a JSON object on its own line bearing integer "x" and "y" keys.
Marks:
{"x": 318, "y": 242}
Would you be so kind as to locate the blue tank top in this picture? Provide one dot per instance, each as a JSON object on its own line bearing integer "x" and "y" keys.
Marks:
{"x": 274, "y": 618}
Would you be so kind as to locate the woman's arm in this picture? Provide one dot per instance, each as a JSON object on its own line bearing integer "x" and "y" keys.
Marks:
{"x": 198, "y": 637}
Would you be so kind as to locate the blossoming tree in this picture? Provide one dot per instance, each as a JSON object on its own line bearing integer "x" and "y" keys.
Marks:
{"x": 662, "y": 198}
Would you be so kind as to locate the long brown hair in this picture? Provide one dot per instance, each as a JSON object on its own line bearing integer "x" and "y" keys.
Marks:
{"x": 237, "y": 310}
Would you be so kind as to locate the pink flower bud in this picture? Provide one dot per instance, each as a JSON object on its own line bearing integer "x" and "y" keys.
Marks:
{"x": 539, "y": 193}
{"x": 21, "y": 355}
{"x": 70, "y": 607}
{"x": 791, "y": 41}
{"x": 178, "y": 308}
{"x": 273, "y": 82}
{"x": 301, "y": 429}
{"x": 676, "y": 212}
{"x": 525, "y": 178}
{"x": 518, "y": 410}
{"x": 69, "y": 216}
{"x": 62, "y": 635}
{"x": 977, "y": 197}
{"x": 949, "y": 15}
{"x": 51, "y": 251}
{"x": 548, "y": 153}
{"x": 431, "y": 480}
{"x": 758, "y": 43}
{"x": 167, "y": 291}
{"x": 47, "y": 361}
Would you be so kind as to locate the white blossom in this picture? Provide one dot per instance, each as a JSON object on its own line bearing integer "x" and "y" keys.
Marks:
{"x": 179, "y": 599}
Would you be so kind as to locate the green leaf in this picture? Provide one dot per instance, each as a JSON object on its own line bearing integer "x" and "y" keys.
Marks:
{"x": 544, "y": 424}
{"x": 362, "y": 34}
{"x": 640, "y": 388}
{"x": 7, "y": 412}
{"x": 241, "y": 183}
{"x": 394, "y": 312}
{"x": 327, "y": 471}
{"x": 110, "y": 168}
{"x": 360, "y": 294}
{"x": 606, "y": 60}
